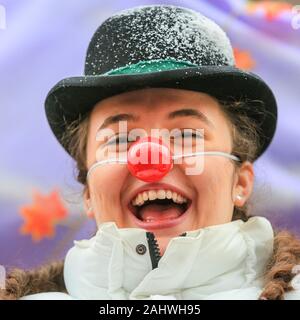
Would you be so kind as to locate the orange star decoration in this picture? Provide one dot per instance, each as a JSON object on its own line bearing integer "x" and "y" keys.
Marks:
{"x": 270, "y": 9}
{"x": 42, "y": 215}
{"x": 243, "y": 59}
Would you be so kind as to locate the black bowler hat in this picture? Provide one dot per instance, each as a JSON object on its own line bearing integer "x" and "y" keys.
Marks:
{"x": 158, "y": 46}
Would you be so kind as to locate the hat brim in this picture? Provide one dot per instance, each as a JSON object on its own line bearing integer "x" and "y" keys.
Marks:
{"x": 74, "y": 97}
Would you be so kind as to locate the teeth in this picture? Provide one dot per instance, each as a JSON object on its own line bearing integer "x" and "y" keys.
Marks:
{"x": 145, "y": 196}
{"x": 150, "y": 195}
{"x": 161, "y": 194}
{"x": 140, "y": 200}
{"x": 169, "y": 194}
{"x": 180, "y": 199}
{"x": 174, "y": 196}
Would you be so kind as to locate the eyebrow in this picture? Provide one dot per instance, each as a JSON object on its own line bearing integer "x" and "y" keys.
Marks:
{"x": 178, "y": 113}
{"x": 117, "y": 118}
{"x": 190, "y": 113}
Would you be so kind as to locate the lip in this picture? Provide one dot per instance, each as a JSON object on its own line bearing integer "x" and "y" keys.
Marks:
{"x": 168, "y": 223}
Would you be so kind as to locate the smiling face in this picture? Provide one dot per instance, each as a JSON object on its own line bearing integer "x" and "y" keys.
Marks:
{"x": 180, "y": 202}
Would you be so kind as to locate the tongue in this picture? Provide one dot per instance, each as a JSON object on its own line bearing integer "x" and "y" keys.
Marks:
{"x": 159, "y": 212}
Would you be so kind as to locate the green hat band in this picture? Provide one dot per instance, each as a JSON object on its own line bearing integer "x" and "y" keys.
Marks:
{"x": 151, "y": 66}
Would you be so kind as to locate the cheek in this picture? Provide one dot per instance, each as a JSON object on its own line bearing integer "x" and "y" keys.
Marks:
{"x": 105, "y": 185}
{"x": 214, "y": 187}
{"x": 216, "y": 174}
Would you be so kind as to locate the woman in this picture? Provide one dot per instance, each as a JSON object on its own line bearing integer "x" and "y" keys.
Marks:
{"x": 164, "y": 233}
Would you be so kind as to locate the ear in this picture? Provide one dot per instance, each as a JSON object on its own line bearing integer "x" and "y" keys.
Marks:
{"x": 87, "y": 203}
{"x": 244, "y": 184}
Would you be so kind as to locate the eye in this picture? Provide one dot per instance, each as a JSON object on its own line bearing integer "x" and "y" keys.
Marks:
{"x": 119, "y": 143}
{"x": 118, "y": 139}
{"x": 188, "y": 136}
{"x": 187, "y": 140}
{"x": 192, "y": 133}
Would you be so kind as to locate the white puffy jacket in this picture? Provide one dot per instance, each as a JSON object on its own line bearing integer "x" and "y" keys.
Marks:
{"x": 224, "y": 261}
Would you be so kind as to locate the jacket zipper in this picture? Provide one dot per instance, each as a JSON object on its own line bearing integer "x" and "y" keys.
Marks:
{"x": 154, "y": 248}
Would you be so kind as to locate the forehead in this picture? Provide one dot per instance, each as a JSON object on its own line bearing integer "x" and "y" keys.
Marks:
{"x": 153, "y": 99}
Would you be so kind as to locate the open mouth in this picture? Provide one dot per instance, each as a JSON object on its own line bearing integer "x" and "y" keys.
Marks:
{"x": 162, "y": 207}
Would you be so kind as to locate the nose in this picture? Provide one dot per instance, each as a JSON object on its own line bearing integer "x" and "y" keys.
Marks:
{"x": 149, "y": 159}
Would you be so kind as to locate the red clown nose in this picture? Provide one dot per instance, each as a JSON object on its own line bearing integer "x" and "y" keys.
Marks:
{"x": 149, "y": 159}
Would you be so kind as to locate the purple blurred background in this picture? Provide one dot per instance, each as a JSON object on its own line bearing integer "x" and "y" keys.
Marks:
{"x": 45, "y": 41}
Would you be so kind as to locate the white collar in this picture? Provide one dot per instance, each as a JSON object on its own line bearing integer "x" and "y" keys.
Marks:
{"x": 205, "y": 261}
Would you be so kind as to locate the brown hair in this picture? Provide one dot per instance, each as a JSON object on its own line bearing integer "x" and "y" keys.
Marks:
{"x": 246, "y": 144}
